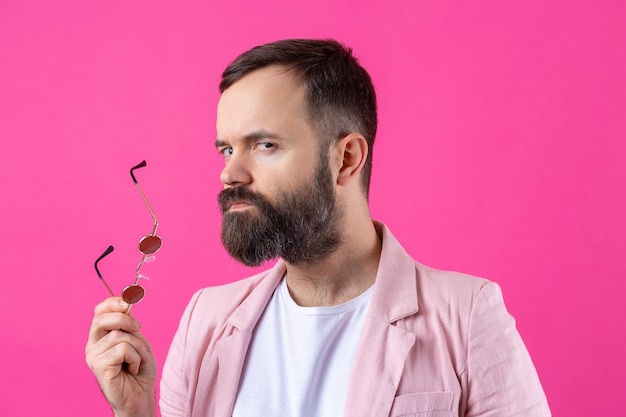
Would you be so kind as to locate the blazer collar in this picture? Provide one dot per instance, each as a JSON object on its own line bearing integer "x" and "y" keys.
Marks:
{"x": 246, "y": 316}
{"x": 395, "y": 292}
{"x": 232, "y": 350}
{"x": 383, "y": 346}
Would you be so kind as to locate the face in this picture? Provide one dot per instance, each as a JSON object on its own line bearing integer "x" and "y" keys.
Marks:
{"x": 279, "y": 199}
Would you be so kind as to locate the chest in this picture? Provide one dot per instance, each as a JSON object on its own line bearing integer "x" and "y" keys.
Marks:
{"x": 300, "y": 360}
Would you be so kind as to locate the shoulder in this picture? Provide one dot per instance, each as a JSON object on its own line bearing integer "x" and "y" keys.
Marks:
{"x": 407, "y": 286}
{"x": 448, "y": 285}
{"x": 450, "y": 292}
{"x": 237, "y": 304}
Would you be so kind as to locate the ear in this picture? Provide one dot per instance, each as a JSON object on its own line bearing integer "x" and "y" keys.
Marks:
{"x": 353, "y": 149}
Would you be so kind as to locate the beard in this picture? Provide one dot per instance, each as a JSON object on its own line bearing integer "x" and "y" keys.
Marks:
{"x": 303, "y": 226}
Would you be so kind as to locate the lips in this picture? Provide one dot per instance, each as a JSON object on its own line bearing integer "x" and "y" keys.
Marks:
{"x": 238, "y": 205}
{"x": 239, "y": 198}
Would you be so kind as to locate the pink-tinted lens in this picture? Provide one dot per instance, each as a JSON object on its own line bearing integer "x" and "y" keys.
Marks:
{"x": 149, "y": 244}
{"x": 133, "y": 294}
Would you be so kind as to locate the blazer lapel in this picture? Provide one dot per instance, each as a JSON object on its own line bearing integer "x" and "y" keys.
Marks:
{"x": 377, "y": 369}
{"x": 231, "y": 349}
{"x": 383, "y": 347}
{"x": 231, "y": 355}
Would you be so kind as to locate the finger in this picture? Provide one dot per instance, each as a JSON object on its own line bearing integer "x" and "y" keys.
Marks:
{"x": 110, "y": 305}
{"x": 118, "y": 358}
{"x": 115, "y": 337}
{"x": 106, "y": 322}
{"x": 115, "y": 321}
{"x": 125, "y": 355}
{"x": 117, "y": 348}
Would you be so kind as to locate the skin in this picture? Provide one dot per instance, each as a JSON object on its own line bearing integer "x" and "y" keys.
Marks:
{"x": 269, "y": 146}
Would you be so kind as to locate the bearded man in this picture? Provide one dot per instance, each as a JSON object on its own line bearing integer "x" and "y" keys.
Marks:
{"x": 345, "y": 323}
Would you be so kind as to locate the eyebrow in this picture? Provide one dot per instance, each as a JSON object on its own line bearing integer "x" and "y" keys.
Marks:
{"x": 259, "y": 134}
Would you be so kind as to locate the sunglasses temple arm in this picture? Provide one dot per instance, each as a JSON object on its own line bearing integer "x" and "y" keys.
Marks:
{"x": 154, "y": 218}
{"x": 106, "y": 252}
{"x": 107, "y": 285}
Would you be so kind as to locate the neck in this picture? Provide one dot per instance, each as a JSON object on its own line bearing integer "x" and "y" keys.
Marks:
{"x": 340, "y": 277}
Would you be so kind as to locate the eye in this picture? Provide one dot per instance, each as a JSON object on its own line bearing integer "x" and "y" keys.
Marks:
{"x": 226, "y": 151}
{"x": 265, "y": 146}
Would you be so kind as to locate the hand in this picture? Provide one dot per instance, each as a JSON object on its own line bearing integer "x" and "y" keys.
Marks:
{"x": 121, "y": 359}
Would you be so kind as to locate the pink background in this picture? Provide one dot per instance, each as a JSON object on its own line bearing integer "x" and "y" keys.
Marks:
{"x": 500, "y": 153}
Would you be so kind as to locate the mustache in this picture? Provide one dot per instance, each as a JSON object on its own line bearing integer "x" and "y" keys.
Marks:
{"x": 229, "y": 195}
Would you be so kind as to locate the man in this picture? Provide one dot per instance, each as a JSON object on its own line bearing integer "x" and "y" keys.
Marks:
{"x": 345, "y": 323}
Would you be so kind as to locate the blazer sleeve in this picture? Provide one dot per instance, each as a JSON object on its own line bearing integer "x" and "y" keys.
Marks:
{"x": 502, "y": 380}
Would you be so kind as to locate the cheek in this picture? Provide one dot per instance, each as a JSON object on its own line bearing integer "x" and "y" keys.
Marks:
{"x": 285, "y": 172}
{"x": 281, "y": 175}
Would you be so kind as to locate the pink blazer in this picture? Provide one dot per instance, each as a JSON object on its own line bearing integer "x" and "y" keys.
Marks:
{"x": 434, "y": 343}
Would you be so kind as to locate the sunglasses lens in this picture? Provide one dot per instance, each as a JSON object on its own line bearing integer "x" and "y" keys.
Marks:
{"x": 149, "y": 244}
{"x": 133, "y": 294}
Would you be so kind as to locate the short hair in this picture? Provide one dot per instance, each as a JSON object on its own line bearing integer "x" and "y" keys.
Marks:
{"x": 339, "y": 93}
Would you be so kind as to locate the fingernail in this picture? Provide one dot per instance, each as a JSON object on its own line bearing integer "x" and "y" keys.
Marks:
{"x": 123, "y": 304}
{"x": 136, "y": 324}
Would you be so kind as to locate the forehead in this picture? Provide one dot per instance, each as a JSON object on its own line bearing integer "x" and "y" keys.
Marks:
{"x": 270, "y": 99}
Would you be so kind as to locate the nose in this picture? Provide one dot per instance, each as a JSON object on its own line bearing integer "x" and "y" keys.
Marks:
{"x": 236, "y": 171}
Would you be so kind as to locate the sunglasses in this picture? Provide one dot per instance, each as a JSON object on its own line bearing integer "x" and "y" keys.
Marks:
{"x": 148, "y": 246}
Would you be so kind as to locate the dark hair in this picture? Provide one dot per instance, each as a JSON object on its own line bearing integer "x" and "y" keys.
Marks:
{"x": 339, "y": 92}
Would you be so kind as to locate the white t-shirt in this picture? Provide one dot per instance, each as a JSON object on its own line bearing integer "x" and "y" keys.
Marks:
{"x": 300, "y": 358}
